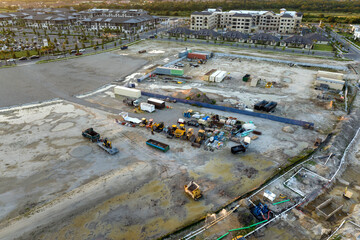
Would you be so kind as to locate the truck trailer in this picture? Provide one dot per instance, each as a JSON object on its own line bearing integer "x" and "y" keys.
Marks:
{"x": 159, "y": 104}
{"x": 127, "y": 92}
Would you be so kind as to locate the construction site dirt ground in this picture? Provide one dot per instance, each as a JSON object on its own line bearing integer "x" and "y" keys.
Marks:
{"x": 294, "y": 89}
{"x": 52, "y": 164}
{"x": 54, "y": 182}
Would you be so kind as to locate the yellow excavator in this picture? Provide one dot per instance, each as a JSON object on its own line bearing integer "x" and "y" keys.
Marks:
{"x": 189, "y": 133}
{"x": 193, "y": 190}
{"x": 158, "y": 127}
{"x": 198, "y": 140}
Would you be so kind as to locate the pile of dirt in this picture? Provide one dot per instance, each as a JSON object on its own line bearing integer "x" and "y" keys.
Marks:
{"x": 193, "y": 94}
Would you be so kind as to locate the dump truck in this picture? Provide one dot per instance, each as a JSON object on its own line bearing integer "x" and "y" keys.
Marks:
{"x": 180, "y": 132}
{"x": 91, "y": 134}
{"x": 198, "y": 140}
{"x": 158, "y": 145}
{"x": 106, "y": 145}
{"x": 193, "y": 190}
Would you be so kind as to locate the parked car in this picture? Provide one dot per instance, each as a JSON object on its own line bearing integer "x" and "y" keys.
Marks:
{"x": 260, "y": 105}
{"x": 11, "y": 60}
{"x": 270, "y": 106}
{"x": 34, "y": 56}
{"x": 179, "y": 65}
{"x": 78, "y": 54}
{"x": 23, "y": 58}
{"x": 82, "y": 50}
{"x": 73, "y": 51}
{"x": 193, "y": 123}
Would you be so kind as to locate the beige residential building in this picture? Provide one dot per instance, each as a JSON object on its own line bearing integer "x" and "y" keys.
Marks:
{"x": 247, "y": 21}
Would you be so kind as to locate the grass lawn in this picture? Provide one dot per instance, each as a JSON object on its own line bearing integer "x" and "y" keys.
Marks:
{"x": 17, "y": 54}
{"x": 323, "y": 47}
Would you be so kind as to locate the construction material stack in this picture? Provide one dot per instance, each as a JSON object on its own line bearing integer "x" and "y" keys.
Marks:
{"x": 169, "y": 71}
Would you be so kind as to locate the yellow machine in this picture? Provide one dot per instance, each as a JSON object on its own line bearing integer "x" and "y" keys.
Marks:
{"x": 107, "y": 143}
{"x": 158, "y": 127}
{"x": 179, "y": 132}
{"x": 268, "y": 85}
{"x": 199, "y": 139}
{"x": 193, "y": 190}
{"x": 143, "y": 122}
{"x": 189, "y": 133}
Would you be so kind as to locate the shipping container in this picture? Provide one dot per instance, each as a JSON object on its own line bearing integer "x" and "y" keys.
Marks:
{"x": 169, "y": 71}
{"x": 159, "y": 104}
{"x": 147, "y": 107}
{"x": 197, "y": 56}
{"x": 177, "y": 72}
{"x": 212, "y": 76}
{"x": 324, "y": 74}
{"x": 220, "y": 76}
{"x": 127, "y": 92}
{"x": 207, "y": 75}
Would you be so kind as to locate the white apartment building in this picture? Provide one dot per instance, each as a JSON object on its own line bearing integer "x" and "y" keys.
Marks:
{"x": 247, "y": 21}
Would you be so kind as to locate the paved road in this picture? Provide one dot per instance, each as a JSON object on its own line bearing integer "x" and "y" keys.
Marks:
{"x": 63, "y": 79}
{"x": 259, "y": 47}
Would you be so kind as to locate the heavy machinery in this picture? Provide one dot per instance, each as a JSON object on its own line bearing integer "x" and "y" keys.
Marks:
{"x": 150, "y": 123}
{"x": 131, "y": 102}
{"x": 188, "y": 113}
{"x": 158, "y": 127}
{"x": 143, "y": 122}
{"x": 104, "y": 144}
{"x": 180, "y": 132}
{"x": 171, "y": 131}
{"x": 189, "y": 133}
{"x": 198, "y": 140}
{"x": 193, "y": 190}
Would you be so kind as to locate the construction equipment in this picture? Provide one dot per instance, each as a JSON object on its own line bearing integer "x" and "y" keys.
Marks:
{"x": 242, "y": 146}
{"x": 189, "y": 133}
{"x": 106, "y": 145}
{"x": 198, "y": 140}
{"x": 201, "y": 61}
{"x": 171, "y": 131}
{"x": 158, "y": 127}
{"x": 193, "y": 190}
{"x": 180, "y": 132}
{"x": 150, "y": 123}
{"x": 131, "y": 102}
{"x": 268, "y": 85}
{"x": 91, "y": 134}
{"x": 143, "y": 122}
{"x": 158, "y": 145}
{"x": 261, "y": 211}
{"x": 188, "y": 113}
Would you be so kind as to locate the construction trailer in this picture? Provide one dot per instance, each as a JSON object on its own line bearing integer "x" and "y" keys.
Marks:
{"x": 331, "y": 83}
{"x": 159, "y": 104}
{"x": 331, "y": 75}
{"x": 169, "y": 71}
{"x": 127, "y": 92}
{"x": 147, "y": 107}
